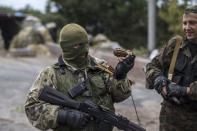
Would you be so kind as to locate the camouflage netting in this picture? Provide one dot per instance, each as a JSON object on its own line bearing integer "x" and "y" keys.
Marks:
{"x": 34, "y": 38}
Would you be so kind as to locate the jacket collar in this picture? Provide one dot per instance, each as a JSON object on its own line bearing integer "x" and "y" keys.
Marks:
{"x": 63, "y": 63}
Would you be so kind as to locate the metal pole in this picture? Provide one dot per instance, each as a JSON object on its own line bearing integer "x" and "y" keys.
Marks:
{"x": 151, "y": 24}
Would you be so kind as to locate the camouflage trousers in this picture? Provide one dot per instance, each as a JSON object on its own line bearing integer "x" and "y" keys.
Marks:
{"x": 178, "y": 117}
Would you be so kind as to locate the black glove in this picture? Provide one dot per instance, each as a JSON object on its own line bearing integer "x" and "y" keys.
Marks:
{"x": 160, "y": 82}
{"x": 175, "y": 90}
{"x": 72, "y": 118}
{"x": 123, "y": 67}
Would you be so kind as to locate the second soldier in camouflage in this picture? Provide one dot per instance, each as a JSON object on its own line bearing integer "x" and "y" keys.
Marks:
{"x": 178, "y": 115}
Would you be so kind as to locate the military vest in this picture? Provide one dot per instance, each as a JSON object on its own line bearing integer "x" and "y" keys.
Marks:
{"x": 97, "y": 91}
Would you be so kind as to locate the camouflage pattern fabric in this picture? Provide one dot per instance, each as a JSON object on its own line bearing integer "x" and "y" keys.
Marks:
{"x": 31, "y": 35}
{"x": 177, "y": 117}
{"x": 45, "y": 34}
{"x": 103, "y": 89}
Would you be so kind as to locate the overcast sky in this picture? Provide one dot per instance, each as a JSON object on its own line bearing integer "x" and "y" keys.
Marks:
{"x": 18, "y": 4}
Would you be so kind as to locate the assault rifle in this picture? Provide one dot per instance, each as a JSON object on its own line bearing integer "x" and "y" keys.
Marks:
{"x": 55, "y": 97}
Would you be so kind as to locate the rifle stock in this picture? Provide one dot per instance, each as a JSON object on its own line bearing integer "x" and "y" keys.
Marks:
{"x": 55, "y": 97}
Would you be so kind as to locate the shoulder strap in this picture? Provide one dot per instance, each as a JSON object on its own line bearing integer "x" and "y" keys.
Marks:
{"x": 102, "y": 64}
{"x": 174, "y": 57}
{"x": 60, "y": 65}
{"x": 108, "y": 69}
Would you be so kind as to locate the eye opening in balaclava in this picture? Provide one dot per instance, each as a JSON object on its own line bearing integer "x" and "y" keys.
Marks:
{"x": 71, "y": 36}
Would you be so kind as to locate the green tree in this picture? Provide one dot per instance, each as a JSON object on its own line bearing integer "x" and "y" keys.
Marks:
{"x": 121, "y": 20}
{"x": 46, "y": 17}
{"x": 172, "y": 13}
{"x": 4, "y": 9}
{"x": 169, "y": 19}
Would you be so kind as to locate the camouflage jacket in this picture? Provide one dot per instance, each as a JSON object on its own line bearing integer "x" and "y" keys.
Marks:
{"x": 185, "y": 72}
{"x": 103, "y": 90}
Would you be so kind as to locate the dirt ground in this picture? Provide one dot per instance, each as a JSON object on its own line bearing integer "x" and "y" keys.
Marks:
{"x": 18, "y": 74}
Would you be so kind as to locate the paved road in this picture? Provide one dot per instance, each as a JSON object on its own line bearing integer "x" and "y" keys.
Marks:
{"x": 17, "y": 75}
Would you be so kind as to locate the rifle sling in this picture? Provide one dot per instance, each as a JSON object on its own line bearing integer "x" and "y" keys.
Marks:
{"x": 174, "y": 57}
